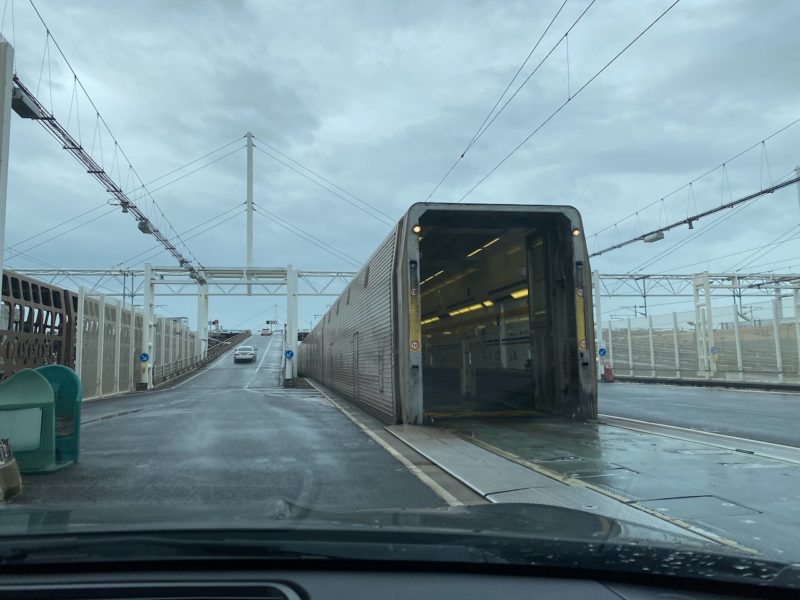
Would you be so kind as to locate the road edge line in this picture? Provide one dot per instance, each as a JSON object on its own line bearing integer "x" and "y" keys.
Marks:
{"x": 571, "y": 481}
{"x": 449, "y": 498}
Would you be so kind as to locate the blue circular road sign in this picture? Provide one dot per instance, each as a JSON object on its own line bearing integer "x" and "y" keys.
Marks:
{"x": 602, "y": 352}
{"x": 144, "y": 357}
{"x": 289, "y": 354}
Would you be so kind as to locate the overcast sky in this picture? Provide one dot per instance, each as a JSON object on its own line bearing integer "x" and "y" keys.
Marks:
{"x": 380, "y": 98}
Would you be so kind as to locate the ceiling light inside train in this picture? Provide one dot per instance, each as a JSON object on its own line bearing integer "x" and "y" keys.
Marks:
{"x": 489, "y": 243}
{"x": 520, "y": 293}
{"x": 474, "y": 252}
{"x": 416, "y": 228}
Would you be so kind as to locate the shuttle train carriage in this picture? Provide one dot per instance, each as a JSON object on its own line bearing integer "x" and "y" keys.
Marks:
{"x": 465, "y": 310}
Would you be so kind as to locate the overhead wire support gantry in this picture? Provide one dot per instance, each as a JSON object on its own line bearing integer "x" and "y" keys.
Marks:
{"x": 25, "y": 104}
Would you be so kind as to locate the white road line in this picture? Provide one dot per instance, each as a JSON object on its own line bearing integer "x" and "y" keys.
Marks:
{"x": 424, "y": 477}
{"x": 259, "y": 364}
{"x": 701, "y": 432}
{"x": 210, "y": 366}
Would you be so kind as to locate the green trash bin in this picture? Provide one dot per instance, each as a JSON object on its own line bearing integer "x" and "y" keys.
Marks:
{"x": 40, "y": 415}
{"x": 67, "y": 395}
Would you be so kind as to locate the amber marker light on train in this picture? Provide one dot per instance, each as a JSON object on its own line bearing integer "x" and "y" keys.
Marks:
{"x": 520, "y": 293}
{"x": 576, "y": 232}
{"x": 416, "y": 228}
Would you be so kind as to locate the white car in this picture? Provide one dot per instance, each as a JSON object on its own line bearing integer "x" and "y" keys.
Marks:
{"x": 244, "y": 354}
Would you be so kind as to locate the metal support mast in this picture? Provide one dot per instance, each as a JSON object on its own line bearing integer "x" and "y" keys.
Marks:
{"x": 6, "y": 72}
{"x": 202, "y": 319}
{"x": 148, "y": 328}
{"x": 249, "y": 137}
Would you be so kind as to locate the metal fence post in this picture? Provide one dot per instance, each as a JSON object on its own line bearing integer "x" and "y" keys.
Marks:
{"x": 132, "y": 349}
{"x": 101, "y": 344}
{"x": 776, "y": 333}
{"x": 630, "y": 350}
{"x": 610, "y": 348}
{"x": 796, "y": 296}
{"x": 738, "y": 340}
{"x": 117, "y": 346}
{"x": 80, "y": 325}
{"x": 652, "y": 348}
{"x": 675, "y": 344}
{"x": 148, "y": 326}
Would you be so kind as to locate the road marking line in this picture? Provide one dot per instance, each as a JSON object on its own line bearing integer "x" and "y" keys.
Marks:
{"x": 207, "y": 368}
{"x": 575, "y": 482}
{"x": 701, "y": 432}
{"x": 261, "y": 362}
{"x": 412, "y": 468}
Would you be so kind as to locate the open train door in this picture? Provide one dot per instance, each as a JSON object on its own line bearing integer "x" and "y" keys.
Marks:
{"x": 553, "y": 336}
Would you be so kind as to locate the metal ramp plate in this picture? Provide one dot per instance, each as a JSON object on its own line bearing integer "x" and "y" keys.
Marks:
{"x": 500, "y": 480}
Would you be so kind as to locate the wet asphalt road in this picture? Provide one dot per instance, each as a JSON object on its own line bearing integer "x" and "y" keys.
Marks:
{"x": 763, "y": 416}
{"x": 228, "y": 436}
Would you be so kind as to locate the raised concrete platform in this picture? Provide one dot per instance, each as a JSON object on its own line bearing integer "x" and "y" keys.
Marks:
{"x": 742, "y": 495}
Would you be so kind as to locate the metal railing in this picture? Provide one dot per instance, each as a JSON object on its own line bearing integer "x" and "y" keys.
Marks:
{"x": 162, "y": 373}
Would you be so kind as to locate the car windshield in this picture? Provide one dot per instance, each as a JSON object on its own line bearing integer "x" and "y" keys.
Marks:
{"x": 522, "y": 269}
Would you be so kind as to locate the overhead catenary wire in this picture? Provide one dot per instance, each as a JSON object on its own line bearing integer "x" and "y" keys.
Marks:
{"x": 194, "y": 235}
{"x": 729, "y": 255}
{"x": 568, "y": 100}
{"x": 196, "y": 160}
{"x": 774, "y": 245}
{"x": 480, "y": 130}
{"x": 57, "y": 225}
{"x": 702, "y": 176}
{"x": 377, "y": 217}
{"x": 198, "y": 169}
{"x": 323, "y": 178}
{"x": 238, "y": 209}
{"x": 63, "y": 233}
{"x": 332, "y": 250}
{"x": 697, "y": 233}
{"x": 117, "y": 147}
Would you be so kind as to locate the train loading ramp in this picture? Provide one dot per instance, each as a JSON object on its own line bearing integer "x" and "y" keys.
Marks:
{"x": 693, "y": 484}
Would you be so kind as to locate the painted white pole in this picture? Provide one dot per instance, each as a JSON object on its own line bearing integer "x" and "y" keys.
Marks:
{"x": 652, "y": 348}
{"x": 6, "y": 65}
{"x": 118, "y": 353}
{"x": 776, "y": 332}
{"x": 630, "y": 350}
{"x": 291, "y": 318}
{"x": 101, "y": 342}
{"x": 80, "y": 326}
{"x": 202, "y": 319}
{"x": 675, "y": 344}
{"x": 146, "y": 369}
{"x": 249, "y": 137}
{"x": 737, "y": 338}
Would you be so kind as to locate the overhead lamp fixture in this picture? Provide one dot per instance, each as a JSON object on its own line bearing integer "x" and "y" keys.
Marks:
{"x": 466, "y": 309}
{"x": 653, "y": 237}
{"x": 474, "y": 252}
{"x": 416, "y": 228}
{"x": 144, "y": 227}
{"x": 489, "y": 243}
{"x": 523, "y": 293}
{"x": 431, "y": 320}
{"x": 488, "y": 303}
{"x": 427, "y": 279}
{"x": 576, "y": 232}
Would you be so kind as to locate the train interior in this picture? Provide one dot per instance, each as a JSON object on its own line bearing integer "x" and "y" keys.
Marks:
{"x": 498, "y": 315}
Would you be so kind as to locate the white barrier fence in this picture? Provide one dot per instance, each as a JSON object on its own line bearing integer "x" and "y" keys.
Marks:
{"x": 756, "y": 342}
{"x": 109, "y": 342}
